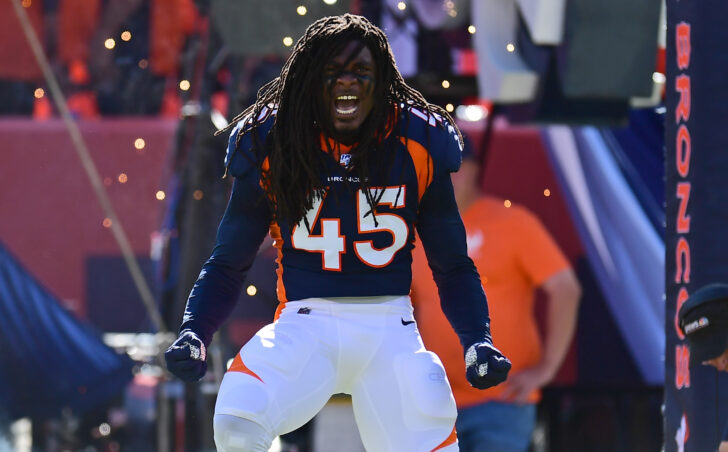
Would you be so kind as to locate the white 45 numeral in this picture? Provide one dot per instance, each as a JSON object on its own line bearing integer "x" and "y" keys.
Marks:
{"x": 331, "y": 244}
{"x": 394, "y": 224}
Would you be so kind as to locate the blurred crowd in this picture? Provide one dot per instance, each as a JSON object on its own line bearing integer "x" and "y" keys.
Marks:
{"x": 136, "y": 57}
{"x": 123, "y": 57}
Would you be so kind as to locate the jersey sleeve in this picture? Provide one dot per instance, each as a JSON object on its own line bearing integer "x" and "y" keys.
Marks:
{"x": 242, "y": 229}
{"x": 442, "y": 233}
{"x": 448, "y": 155}
{"x": 439, "y": 136}
{"x": 239, "y": 159}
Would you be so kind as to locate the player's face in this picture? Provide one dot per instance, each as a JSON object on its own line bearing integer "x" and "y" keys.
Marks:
{"x": 720, "y": 363}
{"x": 348, "y": 96}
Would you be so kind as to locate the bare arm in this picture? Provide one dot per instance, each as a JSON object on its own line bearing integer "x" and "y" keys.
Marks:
{"x": 563, "y": 292}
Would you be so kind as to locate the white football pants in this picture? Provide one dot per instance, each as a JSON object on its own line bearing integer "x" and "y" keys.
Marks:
{"x": 288, "y": 371}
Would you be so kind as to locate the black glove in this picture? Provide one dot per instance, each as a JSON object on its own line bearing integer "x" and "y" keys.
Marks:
{"x": 485, "y": 365}
{"x": 186, "y": 357}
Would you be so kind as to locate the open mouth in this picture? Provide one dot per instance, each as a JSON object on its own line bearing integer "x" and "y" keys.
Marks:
{"x": 346, "y": 105}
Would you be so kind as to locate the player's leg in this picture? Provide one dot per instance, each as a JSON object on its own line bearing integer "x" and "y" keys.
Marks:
{"x": 403, "y": 401}
{"x": 280, "y": 379}
{"x": 237, "y": 434}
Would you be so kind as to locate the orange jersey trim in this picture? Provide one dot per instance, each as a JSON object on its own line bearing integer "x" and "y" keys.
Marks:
{"x": 279, "y": 309}
{"x": 275, "y": 234}
{"x": 265, "y": 167}
{"x": 423, "y": 164}
{"x": 452, "y": 439}
{"x": 239, "y": 366}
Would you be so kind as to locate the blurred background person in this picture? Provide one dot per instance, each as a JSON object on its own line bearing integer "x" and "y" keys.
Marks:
{"x": 515, "y": 256}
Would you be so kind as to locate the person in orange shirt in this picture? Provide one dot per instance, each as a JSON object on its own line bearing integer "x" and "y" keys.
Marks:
{"x": 514, "y": 255}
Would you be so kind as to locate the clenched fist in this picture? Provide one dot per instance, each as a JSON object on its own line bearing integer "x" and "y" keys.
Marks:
{"x": 186, "y": 357}
{"x": 485, "y": 365}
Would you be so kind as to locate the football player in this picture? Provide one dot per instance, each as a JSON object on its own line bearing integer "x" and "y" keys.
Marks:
{"x": 339, "y": 161}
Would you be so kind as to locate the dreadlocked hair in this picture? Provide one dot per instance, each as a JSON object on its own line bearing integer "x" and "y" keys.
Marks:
{"x": 293, "y": 176}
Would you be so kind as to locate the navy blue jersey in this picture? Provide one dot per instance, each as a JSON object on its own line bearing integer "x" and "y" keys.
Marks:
{"x": 346, "y": 248}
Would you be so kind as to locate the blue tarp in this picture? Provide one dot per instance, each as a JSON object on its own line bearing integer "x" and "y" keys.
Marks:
{"x": 49, "y": 360}
{"x": 639, "y": 150}
{"x": 623, "y": 246}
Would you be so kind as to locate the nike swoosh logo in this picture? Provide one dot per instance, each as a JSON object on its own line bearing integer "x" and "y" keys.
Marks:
{"x": 407, "y": 322}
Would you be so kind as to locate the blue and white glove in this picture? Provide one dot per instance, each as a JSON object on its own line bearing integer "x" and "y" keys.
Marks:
{"x": 186, "y": 357}
{"x": 485, "y": 365}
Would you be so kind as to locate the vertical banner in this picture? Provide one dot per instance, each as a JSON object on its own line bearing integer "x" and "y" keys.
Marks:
{"x": 696, "y": 238}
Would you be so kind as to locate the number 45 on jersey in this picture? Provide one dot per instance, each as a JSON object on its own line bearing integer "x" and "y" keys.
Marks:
{"x": 331, "y": 244}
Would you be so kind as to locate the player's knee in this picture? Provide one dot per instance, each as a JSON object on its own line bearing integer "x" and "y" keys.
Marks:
{"x": 237, "y": 434}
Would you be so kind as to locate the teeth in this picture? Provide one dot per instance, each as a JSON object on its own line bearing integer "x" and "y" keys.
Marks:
{"x": 347, "y": 111}
{"x": 350, "y": 110}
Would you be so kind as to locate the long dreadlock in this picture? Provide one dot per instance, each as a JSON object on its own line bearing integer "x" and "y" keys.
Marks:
{"x": 295, "y": 162}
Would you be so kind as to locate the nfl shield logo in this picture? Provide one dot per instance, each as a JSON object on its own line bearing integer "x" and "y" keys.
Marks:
{"x": 345, "y": 159}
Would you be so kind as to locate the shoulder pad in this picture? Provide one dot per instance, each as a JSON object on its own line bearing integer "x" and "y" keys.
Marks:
{"x": 240, "y": 159}
{"x": 436, "y": 134}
